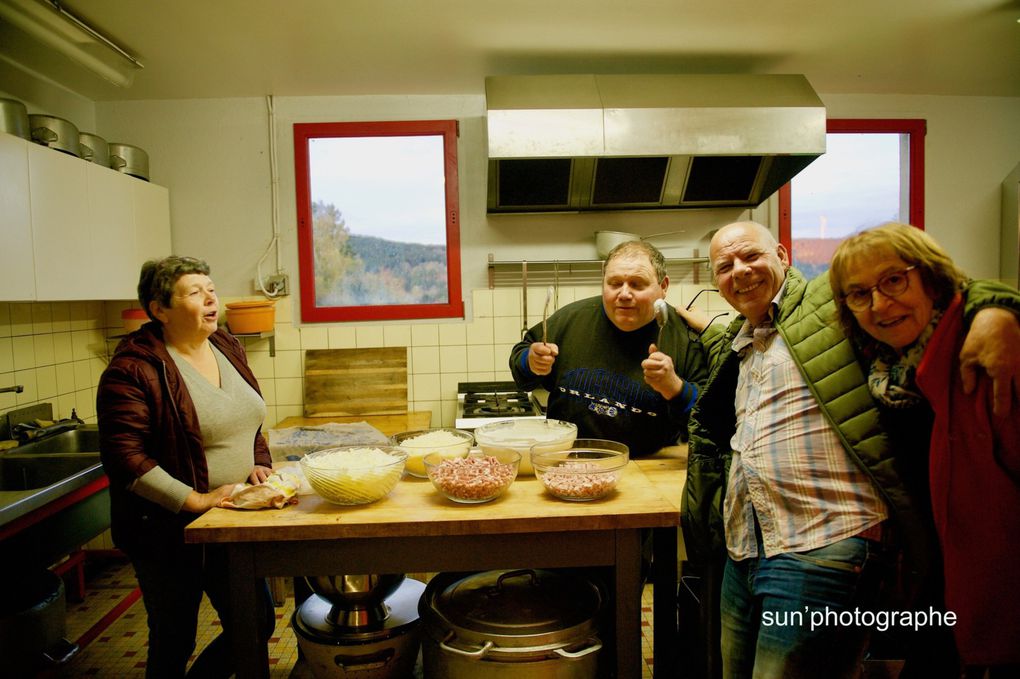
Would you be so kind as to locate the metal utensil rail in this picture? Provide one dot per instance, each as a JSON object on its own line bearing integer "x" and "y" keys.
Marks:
{"x": 515, "y": 273}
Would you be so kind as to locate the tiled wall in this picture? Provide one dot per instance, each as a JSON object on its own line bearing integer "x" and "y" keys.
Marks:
{"x": 58, "y": 350}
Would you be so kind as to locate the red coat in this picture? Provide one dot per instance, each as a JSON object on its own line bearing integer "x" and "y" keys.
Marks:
{"x": 975, "y": 494}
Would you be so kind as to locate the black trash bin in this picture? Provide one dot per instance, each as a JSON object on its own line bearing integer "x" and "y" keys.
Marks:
{"x": 32, "y": 619}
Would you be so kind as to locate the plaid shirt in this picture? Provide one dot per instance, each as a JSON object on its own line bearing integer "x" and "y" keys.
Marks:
{"x": 789, "y": 468}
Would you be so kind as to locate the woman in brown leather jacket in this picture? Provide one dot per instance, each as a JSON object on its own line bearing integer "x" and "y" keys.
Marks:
{"x": 180, "y": 417}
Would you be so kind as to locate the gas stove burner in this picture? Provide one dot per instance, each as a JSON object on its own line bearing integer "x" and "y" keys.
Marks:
{"x": 478, "y": 402}
{"x": 497, "y": 405}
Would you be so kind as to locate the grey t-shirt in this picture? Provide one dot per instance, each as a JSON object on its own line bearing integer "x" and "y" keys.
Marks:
{"x": 229, "y": 416}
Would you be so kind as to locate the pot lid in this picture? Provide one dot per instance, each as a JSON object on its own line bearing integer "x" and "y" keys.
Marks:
{"x": 518, "y": 603}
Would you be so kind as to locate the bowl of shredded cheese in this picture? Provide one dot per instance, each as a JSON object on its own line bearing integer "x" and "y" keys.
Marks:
{"x": 354, "y": 475}
{"x": 448, "y": 443}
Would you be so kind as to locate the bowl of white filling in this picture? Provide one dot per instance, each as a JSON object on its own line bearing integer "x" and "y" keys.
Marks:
{"x": 523, "y": 436}
{"x": 354, "y": 475}
{"x": 448, "y": 443}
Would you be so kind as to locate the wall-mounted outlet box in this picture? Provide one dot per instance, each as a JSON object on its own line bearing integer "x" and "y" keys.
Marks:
{"x": 279, "y": 284}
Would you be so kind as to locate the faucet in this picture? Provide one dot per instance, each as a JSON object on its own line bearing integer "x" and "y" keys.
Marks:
{"x": 17, "y": 389}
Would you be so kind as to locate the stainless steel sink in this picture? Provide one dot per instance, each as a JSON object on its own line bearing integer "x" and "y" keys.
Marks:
{"x": 38, "y": 473}
{"x": 53, "y": 496}
{"x": 81, "y": 440}
{"x": 25, "y": 472}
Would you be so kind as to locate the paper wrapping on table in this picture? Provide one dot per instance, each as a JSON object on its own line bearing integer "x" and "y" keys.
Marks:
{"x": 298, "y": 441}
{"x": 277, "y": 491}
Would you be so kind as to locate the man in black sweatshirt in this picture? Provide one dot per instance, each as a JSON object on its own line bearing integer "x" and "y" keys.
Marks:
{"x": 603, "y": 366}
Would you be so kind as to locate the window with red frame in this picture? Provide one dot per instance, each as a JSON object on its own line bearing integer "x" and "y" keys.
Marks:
{"x": 378, "y": 220}
{"x": 872, "y": 172}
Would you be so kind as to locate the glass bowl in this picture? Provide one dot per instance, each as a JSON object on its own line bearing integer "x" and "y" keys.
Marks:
{"x": 354, "y": 475}
{"x": 479, "y": 477}
{"x": 419, "y": 443}
{"x": 524, "y": 435}
{"x": 588, "y": 470}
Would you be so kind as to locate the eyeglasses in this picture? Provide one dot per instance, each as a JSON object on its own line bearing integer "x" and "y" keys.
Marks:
{"x": 694, "y": 299}
{"x": 893, "y": 284}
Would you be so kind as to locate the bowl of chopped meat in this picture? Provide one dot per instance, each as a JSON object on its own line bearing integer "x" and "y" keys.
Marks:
{"x": 589, "y": 470}
{"x": 479, "y": 477}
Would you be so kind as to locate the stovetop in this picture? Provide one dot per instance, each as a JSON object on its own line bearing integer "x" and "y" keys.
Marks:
{"x": 479, "y": 402}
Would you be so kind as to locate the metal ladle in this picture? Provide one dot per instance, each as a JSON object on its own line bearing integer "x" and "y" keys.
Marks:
{"x": 661, "y": 318}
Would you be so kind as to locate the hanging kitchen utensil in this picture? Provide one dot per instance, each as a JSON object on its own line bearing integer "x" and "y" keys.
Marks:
{"x": 661, "y": 318}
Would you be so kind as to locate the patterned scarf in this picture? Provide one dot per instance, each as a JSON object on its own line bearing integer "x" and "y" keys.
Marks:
{"x": 891, "y": 378}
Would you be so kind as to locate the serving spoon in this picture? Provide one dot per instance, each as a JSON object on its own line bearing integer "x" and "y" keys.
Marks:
{"x": 661, "y": 317}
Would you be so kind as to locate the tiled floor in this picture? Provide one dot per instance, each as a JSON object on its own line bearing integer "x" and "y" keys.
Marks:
{"x": 119, "y": 649}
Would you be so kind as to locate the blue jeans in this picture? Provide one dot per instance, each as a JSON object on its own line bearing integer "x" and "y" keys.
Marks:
{"x": 781, "y": 615}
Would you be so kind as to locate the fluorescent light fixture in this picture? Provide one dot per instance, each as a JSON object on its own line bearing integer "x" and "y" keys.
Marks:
{"x": 57, "y": 28}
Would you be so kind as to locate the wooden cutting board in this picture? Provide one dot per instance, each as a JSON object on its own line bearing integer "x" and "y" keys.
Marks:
{"x": 341, "y": 382}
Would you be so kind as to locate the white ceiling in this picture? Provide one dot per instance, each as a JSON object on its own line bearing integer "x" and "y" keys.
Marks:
{"x": 230, "y": 48}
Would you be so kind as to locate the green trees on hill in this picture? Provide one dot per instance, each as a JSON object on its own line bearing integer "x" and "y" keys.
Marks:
{"x": 354, "y": 270}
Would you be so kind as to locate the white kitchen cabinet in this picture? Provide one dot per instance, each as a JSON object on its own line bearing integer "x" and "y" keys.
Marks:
{"x": 62, "y": 245}
{"x": 129, "y": 223}
{"x": 17, "y": 267}
{"x": 111, "y": 221}
{"x": 152, "y": 223}
{"x": 74, "y": 230}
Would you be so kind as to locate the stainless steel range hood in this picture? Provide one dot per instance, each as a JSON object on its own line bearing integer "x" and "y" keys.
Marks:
{"x": 647, "y": 142}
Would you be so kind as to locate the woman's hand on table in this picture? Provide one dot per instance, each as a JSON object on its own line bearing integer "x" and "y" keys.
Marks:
{"x": 199, "y": 503}
{"x": 259, "y": 475}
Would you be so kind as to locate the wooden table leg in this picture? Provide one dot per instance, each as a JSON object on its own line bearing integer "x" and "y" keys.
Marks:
{"x": 627, "y": 602}
{"x": 252, "y": 657}
{"x": 664, "y": 610}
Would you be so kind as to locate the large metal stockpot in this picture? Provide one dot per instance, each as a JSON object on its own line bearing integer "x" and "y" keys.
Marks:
{"x": 94, "y": 149}
{"x": 522, "y": 624}
{"x": 129, "y": 160}
{"x": 55, "y": 132}
{"x": 14, "y": 118}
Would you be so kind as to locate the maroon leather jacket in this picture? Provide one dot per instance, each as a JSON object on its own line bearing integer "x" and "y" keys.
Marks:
{"x": 147, "y": 418}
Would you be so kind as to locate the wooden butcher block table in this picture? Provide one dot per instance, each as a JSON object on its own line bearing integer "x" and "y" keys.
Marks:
{"x": 415, "y": 529}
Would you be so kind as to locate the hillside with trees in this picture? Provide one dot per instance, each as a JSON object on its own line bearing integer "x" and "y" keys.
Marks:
{"x": 357, "y": 270}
